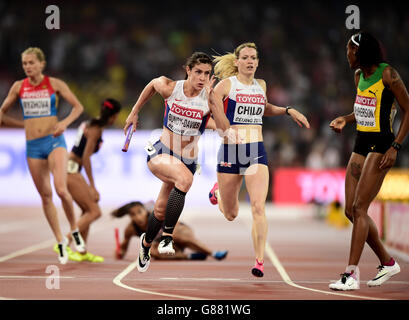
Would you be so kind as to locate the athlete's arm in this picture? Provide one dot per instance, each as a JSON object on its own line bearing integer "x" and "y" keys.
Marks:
{"x": 162, "y": 85}
{"x": 62, "y": 88}
{"x": 129, "y": 233}
{"x": 10, "y": 100}
{"x": 92, "y": 133}
{"x": 393, "y": 82}
{"x": 273, "y": 110}
{"x": 11, "y": 122}
{"x": 216, "y": 97}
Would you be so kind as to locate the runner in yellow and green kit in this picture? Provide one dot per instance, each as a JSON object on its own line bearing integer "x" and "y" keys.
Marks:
{"x": 375, "y": 151}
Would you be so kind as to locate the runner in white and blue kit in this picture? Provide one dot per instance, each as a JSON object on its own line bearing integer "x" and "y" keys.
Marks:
{"x": 173, "y": 158}
{"x": 245, "y": 103}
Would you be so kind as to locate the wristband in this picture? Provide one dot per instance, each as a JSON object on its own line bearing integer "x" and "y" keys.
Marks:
{"x": 396, "y": 145}
{"x": 286, "y": 110}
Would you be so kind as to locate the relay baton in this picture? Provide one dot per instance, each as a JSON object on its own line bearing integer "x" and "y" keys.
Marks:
{"x": 128, "y": 139}
{"x": 117, "y": 243}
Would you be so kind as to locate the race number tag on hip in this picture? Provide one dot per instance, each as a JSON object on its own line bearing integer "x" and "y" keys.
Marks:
{"x": 150, "y": 149}
{"x": 72, "y": 167}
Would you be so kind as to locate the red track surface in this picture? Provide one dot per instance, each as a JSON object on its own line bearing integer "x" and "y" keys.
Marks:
{"x": 310, "y": 253}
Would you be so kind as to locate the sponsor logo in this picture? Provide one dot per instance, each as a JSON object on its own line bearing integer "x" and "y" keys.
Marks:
{"x": 251, "y": 98}
{"x": 365, "y": 101}
{"x": 187, "y": 112}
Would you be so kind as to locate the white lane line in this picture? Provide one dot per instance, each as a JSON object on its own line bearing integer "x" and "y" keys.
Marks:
{"x": 130, "y": 268}
{"x": 199, "y": 279}
{"x": 277, "y": 264}
{"x": 38, "y": 246}
{"x": 34, "y": 277}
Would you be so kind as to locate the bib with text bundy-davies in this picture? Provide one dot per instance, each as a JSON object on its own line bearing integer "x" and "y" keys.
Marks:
{"x": 373, "y": 109}
{"x": 186, "y": 116}
{"x": 245, "y": 104}
{"x": 38, "y": 101}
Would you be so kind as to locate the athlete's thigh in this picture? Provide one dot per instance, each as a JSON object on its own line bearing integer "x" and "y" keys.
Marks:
{"x": 229, "y": 188}
{"x": 80, "y": 191}
{"x": 257, "y": 182}
{"x": 168, "y": 168}
{"x": 352, "y": 176}
{"x": 182, "y": 232}
{"x": 40, "y": 174}
{"x": 57, "y": 161}
{"x": 371, "y": 180}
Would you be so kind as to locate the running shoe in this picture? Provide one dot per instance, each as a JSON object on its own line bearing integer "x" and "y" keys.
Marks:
{"x": 72, "y": 255}
{"x": 384, "y": 274}
{"x": 78, "y": 241}
{"x": 166, "y": 245}
{"x": 220, "y": 255}
{"x": 258, "y": 269}
{"x": 144, "y": 257}
{"x": 347, "y": 282}
{"x": 90, "y": 257}
{"x": 62, "y": 251}
{"x": 212, "y": 194}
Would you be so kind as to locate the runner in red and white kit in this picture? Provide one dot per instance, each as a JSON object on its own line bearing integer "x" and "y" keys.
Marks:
{"x": 46, "y": 148}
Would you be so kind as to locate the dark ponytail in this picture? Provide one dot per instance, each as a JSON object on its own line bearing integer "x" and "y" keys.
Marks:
{"x": 369, "y": 51}
{"x": 120, "y": 212}
{"x": 109, "y": 107}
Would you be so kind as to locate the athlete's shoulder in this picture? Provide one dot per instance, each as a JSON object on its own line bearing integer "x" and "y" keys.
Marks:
{"x": 16, "y": 86}
{"x": 262, "y": 84}
{"x": 390, "y": 76}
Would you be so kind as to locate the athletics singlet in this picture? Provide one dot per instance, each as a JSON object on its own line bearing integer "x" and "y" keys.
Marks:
{"x": 245, "y": 103}
{"x": 373, "y": 108}
{"x": 186, "y": 116}
{"x": 38, "y": 101}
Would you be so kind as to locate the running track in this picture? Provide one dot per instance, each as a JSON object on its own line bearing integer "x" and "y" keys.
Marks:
{"x": 302, "y": 256}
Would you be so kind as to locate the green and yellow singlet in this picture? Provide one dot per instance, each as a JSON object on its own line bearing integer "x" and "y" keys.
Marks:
{"x": 374, "y": 109}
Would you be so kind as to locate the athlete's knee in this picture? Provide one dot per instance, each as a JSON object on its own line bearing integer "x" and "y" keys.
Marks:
{"x": 159, "y": 211}
{"x": 231, "y": 214}
{"x": 62, "y": 192}
{"x": 258, "y": 209}
{"x": 46, "y": 196}
{"x": 96, "y": 213}
{"x": 349, "y": 214}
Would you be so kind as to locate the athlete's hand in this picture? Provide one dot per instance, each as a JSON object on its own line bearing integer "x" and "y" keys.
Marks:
{"x": 233, "y": 136}
{"x": 209, "y": 85}
{"x": 299, "y": 118}
{"x": 338, "y": 124}
{"x": 59, "y": 128}
{"x": 388, "y": 159}
{"x": 132, "y": 120}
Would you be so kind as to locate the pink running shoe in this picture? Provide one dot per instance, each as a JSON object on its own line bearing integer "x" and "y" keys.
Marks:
{"x": 212, "y": 194}
{"x": 258, "y": 269}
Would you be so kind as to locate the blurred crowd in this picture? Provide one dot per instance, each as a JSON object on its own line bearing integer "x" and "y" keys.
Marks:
{"x": 115, "y": 48}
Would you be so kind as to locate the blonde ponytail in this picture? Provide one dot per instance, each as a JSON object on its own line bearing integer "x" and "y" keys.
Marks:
{"x": 225, "y": 66}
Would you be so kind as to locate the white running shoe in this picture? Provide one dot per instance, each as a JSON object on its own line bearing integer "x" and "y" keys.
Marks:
{"x": 144, "y": 257}
{"x": 347, "y": 282}
{"x": 384, "y": 274}
{"x": 166, "y": 246}
{"x": 78, "y": 241}
{"x": 62, "y": 251}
